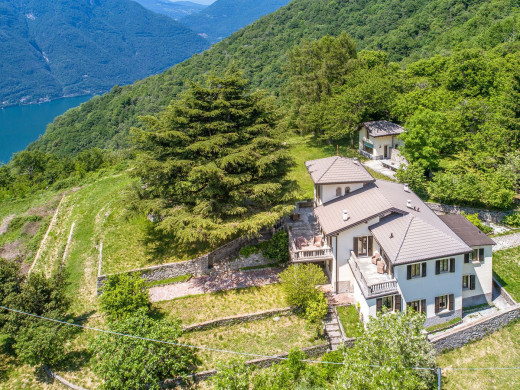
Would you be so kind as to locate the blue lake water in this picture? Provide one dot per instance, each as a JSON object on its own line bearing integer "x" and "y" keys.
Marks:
{"x": 21, "y": 125}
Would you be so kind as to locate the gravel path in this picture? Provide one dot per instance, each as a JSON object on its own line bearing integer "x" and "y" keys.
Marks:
{"x": 212, "y": 283}
{"x": 508, "y": 241}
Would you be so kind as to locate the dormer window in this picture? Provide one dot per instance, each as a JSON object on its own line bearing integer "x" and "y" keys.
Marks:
{"x": 347, "y": 190}
{"x": 338, "y": 191}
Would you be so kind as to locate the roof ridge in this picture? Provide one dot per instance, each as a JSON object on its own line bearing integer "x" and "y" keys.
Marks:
{"x": 404, "y": 236}
{"x": 326, "y": 170}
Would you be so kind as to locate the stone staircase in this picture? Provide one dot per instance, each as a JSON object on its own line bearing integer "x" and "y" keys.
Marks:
{"x": 332, "y": 329}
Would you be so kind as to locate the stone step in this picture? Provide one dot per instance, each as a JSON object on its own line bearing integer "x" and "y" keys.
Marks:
{"x": 332, "y": 328}
{"x": 334, "y": 334}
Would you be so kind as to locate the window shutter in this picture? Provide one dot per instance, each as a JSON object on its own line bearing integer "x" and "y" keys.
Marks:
{"x": 466, "y": 257}
{"x": 408, "y": 272}
{"x": 437, "y": 267}
{"x": 423, "y": 306}
{"x": 423, "y": 270}
{"x": 356, "y": 246}
{"x": 472, "y": 282}
{"x": 397, "y": 302}
{"x": 370, "y": 245}
{"x": 451, "y": 301}
{"x": 452, "y": 265}
{"x": 379, "y": 304}
{"x": 481, "y": 254}
{"x": 436, "y": 305}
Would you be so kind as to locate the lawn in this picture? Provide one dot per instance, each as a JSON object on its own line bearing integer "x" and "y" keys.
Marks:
{"x": 200, "y": 308}
{"x": 267, "y": 337}
{"x": 506, "y": 268}
{"x": 500, "y": 349}
{"x": 349, "y": 317}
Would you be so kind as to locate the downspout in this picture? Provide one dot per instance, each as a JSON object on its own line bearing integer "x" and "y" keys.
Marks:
{"x": 336, "y": 263}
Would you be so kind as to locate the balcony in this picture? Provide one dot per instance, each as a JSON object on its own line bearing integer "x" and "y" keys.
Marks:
{"x": 305, "y": 225}
{"x": 372, "y": 283}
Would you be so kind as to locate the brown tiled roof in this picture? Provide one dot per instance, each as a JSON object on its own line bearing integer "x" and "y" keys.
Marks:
{"x": 383, "y": 128}
{"x": 418, "y": 234}
{"x": 407, "y": 238}
{"x": 467, "y": 232}
{"x": 333, "y": 170}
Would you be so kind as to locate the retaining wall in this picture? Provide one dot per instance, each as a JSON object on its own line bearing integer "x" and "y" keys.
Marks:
{"x": 63, "y": 381}
{"x": 219, "y": 258}
{"x": 314, "y": 351}
{"x": 239, "y": 319}
{"x": 503, "y": 293}
{"x": 483, "y": 214}
{"x": 464, "y": 334}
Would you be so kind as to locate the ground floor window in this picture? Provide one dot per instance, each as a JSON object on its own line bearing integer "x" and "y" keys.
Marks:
{"x": 468, "y": 282}
{"x": 369, "y": 148}
{"x": 444, "y": 303}
{"x": 391, "y": 302}
{"x": 419, "y": 306}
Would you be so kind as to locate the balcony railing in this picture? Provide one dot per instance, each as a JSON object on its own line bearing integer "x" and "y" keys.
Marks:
{"x": 310, "y": 253}
{"x": 370, "y": 289}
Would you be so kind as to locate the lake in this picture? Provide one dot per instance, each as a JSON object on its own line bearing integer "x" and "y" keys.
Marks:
{"x": 21, "y": 125}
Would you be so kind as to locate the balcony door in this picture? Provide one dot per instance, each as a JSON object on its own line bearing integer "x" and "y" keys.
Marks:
{"x": 363, "y": 245}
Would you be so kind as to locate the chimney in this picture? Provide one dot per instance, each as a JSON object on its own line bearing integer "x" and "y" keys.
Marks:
{"x": 409, "y": 203}
{"x": 406, "y": 188}
{"x": 345, "y": 215}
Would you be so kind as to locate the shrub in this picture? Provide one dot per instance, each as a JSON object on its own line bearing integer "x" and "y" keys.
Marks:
{"x": 277, "y": 248}
{"x": 123, "y": 295}
{"x": 232, "y": 375}
{"x": 473, "y": 218}
{"x": 512, "y": 220}
{"x": 299, "y": 284}
{"x": 316, "y": 310}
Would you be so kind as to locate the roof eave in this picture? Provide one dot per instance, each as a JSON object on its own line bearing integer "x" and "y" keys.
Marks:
{"x": 365, "y": 220}
{"x": 396, "y": 262}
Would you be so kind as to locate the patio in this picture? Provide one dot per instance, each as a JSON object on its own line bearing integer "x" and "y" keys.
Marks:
{"x": 371, "y": 281}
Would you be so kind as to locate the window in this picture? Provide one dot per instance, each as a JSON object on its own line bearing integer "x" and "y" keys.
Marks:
{"x": 468, "y": 282}
{"x": 367, "y": 148}
{"x": 444, "y": 303}
{"x": 363, "y": 246}
{"x": 347, "y": 190}
{"x": 417, "y": 270}
{"x": 391, "y": 302}
{"x": 476, "y": 255}
{"x": 444, "y": 265}
{"x": 418, "y": 306}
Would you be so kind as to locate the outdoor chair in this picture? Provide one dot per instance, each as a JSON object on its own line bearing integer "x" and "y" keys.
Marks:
{"x": 318, "y": 241}
{"x": 380, "y": 267}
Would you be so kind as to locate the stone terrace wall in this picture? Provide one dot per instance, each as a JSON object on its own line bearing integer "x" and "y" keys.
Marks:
{"x": 239, "y": 319}
{"x": 460, "y": 336}
{"x": 317, "y": 350}
{"x": 483, "y": 214}
{"x": 204, "y": 264}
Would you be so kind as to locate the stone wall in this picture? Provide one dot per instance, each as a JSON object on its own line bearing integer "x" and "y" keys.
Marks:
{"x": 222, "y": 257}
{"x": 311, "y": 352}
{"x": 464, "y": 334}
{"x": 239, "y": 319}
{"x": 483, "y": 214}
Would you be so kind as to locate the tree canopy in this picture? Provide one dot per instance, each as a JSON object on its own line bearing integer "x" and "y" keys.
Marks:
{"x": 212, "y": 164}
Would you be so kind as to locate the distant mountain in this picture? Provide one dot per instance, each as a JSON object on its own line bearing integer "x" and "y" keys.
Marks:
{"x": 175, "y": 10}
{"x": 54, "y": 48}
{"x": 224, "y": 17}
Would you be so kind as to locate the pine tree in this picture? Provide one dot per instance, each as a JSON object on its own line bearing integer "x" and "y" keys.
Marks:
{"x": 212, "y": 166}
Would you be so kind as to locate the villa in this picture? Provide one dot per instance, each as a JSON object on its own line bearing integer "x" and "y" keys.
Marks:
{"x": 379, "y": 242}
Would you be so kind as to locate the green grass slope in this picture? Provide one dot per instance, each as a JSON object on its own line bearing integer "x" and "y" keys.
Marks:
{"x": 407, "y": 29}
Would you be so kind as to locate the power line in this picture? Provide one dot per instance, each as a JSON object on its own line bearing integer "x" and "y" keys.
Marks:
{"x": 229, "y": 351}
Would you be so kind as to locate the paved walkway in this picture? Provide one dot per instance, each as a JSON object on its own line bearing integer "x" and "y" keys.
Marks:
{"x": 332, "y": 330}
{"x": 216, "y": 282}
{"x": 507, "y": 241}
{"x": 377, "y": 166}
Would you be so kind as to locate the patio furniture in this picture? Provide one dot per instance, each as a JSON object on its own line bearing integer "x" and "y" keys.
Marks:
{"x": 381, "y": 267}
{"x": 375, "y": 258}
{"x": 301, "y": 241}
{"x": 295, "y": 217}
{"x": 318, "y": 241}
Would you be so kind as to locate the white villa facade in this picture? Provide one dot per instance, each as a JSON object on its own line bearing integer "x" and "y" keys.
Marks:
{"x": 378, "y": 139}
{"x": 377, "y": 240}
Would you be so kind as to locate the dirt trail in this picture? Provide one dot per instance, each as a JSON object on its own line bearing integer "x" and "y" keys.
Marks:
{"x": 5, "y": 223}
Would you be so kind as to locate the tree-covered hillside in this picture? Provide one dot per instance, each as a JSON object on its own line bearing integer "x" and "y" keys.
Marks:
{"x": 176, "y": 10}
{"x": 54, "y": 48}
{"x": 408, "y": 30}
{"x": 224, "y": 17}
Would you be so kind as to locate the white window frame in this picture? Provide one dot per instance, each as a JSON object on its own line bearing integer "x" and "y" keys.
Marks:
{"x": 446, "y": 298}
{"x": 416, "y": 267}
{"x": 419, "y": 306}
{"x": 467, "y": 279}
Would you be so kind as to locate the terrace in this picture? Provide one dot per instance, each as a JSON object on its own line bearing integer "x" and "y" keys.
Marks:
{"x": 306, "y": 242}
{"x": 372, "y": 282}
